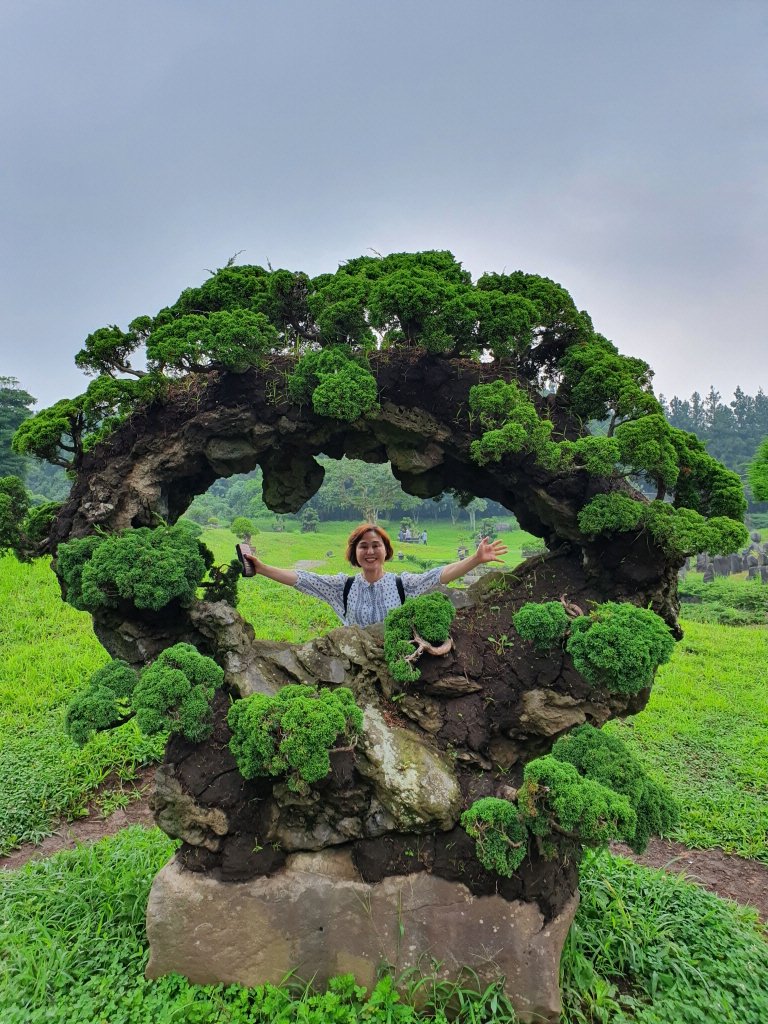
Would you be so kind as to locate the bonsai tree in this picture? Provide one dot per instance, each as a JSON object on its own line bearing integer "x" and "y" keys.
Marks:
{"x": 243, "y": 528}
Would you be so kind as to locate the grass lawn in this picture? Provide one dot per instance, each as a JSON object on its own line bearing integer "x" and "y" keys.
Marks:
{"x": 705, "y": 733}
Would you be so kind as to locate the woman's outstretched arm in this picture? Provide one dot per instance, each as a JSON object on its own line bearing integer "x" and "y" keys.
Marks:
{"x": 487, "y": 551}
{"x": 286, "y": 576}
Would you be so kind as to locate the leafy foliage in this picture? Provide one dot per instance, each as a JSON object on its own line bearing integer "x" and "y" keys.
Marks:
{"x": 14, "y": 409}
{"x": 226, "y": 340}
{"x": 104, "y": 704}
{"x": 430, "y": 616}
{"x": 605, "y": 759}
{"x": 14, "y": 503}
{"x": 174, "y": 693}
{"x": 678, "y": 531}
{"x": 501, "y": 838}
{"x": 758, "y": 472}
{"x": 543, "y": 624}
{"x": 292, "y": 732}
{"x": 512, "y": 424}
{"x": 243, "y": 528}
{"x": 598, "y": 383}
{"x": 555, "y": 797}
{"x": 619, "y": 646}
{"x": 149, "y": 567}
{"x": 337, "y": 385}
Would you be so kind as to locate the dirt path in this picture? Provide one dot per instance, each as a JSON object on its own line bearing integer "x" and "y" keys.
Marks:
{"x": 733, "y": 878}
{"x": 88, "y": 830}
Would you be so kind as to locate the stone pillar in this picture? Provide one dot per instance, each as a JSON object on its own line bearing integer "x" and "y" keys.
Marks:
{"x": 316, "y": 918}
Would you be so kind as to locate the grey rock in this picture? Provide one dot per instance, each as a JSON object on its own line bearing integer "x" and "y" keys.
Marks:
{"x": 315, "y": 918}
{"x": 546, "y": 712}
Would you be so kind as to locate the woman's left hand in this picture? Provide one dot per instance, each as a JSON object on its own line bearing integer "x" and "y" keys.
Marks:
{"x": 490, "y": 550}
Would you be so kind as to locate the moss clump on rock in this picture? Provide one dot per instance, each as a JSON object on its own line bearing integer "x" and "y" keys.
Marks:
{"x": 148, "y": 567}
{"x": 543, "y": 624}
{"x": 292, "y": 732}
{"x": 429, "y": 616}
{"x": 501, "y": 838}
{"x": 619, "y": 646}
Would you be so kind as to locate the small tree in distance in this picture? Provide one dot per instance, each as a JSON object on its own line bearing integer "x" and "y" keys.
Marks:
{"x": 243, "y": 528}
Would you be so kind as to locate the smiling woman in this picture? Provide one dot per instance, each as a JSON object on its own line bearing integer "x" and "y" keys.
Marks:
{"x": 365, "y": 598}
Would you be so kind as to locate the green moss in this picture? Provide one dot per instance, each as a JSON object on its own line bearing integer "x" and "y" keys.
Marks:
{"x": 605, "y": 759}
{"x": 500, "y": 835}
{"x": 543, "y": 624}
{"x": 555, "y": 796}
{"x": 175, "y": 692}
{"x": 619, "y": 646}
{"x": 430, "y": 616}
{"x": 292, "y": 732}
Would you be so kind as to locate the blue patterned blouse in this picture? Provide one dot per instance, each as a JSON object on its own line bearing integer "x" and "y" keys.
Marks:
{"x": 367, "y": 602}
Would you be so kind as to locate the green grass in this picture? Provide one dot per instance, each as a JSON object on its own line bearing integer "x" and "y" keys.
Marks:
{"x": 705, "y": 734}
{"x": 646, "y": 947}
{"x": 47, "y": 652}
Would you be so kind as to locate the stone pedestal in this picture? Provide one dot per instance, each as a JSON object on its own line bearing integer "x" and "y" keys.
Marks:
{"x": 316, "y": 918}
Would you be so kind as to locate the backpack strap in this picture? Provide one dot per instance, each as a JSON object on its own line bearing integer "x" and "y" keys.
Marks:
{"x": 351, "y": 579}
{"x": 347, "y": 587}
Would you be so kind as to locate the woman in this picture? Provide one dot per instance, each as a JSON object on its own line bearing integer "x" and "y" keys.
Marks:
{"x": 368, "y": 596}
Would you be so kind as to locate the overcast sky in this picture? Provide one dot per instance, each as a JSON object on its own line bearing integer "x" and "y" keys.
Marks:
{"x": 617, "y": 146}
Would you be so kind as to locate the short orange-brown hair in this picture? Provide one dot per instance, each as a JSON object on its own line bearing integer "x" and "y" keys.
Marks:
{"x": 357, "y": 535}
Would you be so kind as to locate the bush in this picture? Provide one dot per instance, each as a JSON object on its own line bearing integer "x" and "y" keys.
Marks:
{"x": 309, "y": 520}
{"x": 175, "y": 692}
{"x": 243, "y": 528}
{"x": 611, "y": 513}
{"x": 104, "y": 705}
{"x": 337, "y": 384}
{"x": 430, "y": 616}
{"x": 544, "y": 624}
{"x": 554, "y": 797}
{"x": 605, "y": 759}
{"x": 149, "y": 568}
{"x": 292, "y": 732}
{"x": 501, "y": 839}
{"x": 619, "y": 646}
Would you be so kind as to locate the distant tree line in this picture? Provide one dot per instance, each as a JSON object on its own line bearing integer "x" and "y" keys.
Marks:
{"x": 732, "y": 432}
{"x": 351, "y": 490}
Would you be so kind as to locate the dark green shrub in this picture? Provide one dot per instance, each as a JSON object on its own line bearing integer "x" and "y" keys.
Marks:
{"x": 14, "y": 502}
{"x": 309, "y": 520}
{"x": 543, "y": 624}
{"x": 501, "y": 838}
{"x": 512, "y": 424}
{"x": 337, "y": 384}
{"x": 104, "y": 705}
{"x": 71, "y": 559}
{"x": 606, "y": 759}
{"x": 430, "y": 616}
{"x": 39, "y": 521}
{"x": 148, "y": 567}
{"x": 619, "y": 646}
{"x": 555, "y": 798}
{"x": 598, "y": 455}
{"x": 611, "y": 513}
{"x": 175, "y": 692}
{"x": 292, "y": 732}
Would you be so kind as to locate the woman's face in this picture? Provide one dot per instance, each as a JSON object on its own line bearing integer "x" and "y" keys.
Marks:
{"x": 370, "y": 551}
